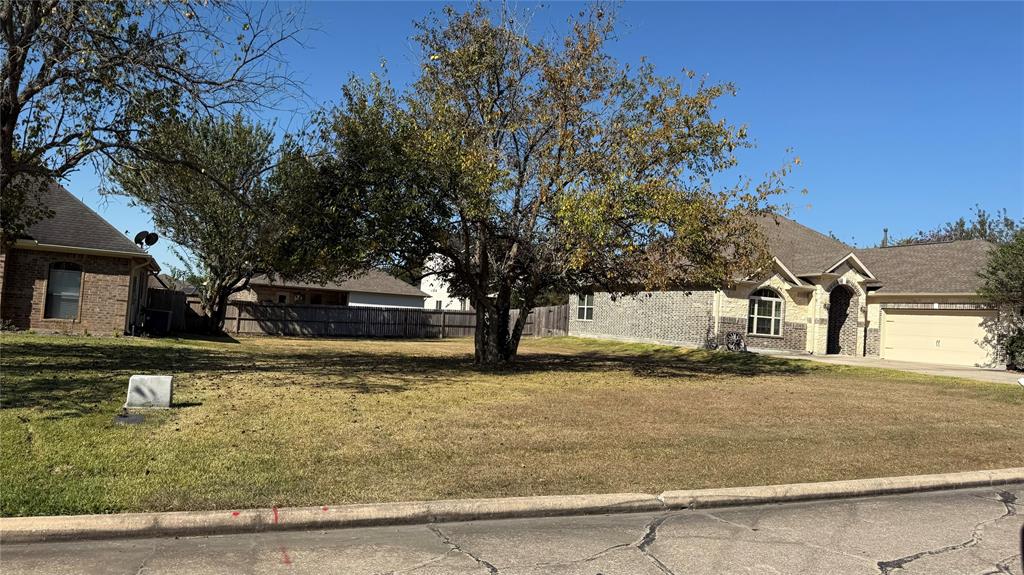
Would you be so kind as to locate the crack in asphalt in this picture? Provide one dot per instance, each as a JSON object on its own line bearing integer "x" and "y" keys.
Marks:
{"x": 1008, "y": 500}
{"x": 784, "y": 540}
{"x": 152, "y": 554}
{"x": 645, "y": 540}
{"x": 648, "y": 538}
{"x": 1003, "y": 565}
{"x": 455, "y": 547}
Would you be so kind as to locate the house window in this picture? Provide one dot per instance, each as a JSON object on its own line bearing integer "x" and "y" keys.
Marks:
{"x": 316, "y": 299}
{"x": 764, "y": 315}
{"x": 437, "y": 304}
{"x": 585, "y": 307}
{"x": 282, "y": 298}
{"x": 63, "y": 291}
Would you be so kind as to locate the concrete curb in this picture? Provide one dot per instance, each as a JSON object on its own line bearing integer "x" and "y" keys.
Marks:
{"x": 189, "y": 523}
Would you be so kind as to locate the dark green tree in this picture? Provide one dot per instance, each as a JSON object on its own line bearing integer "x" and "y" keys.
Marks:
{"x": 221, "y": 190}
{"x": 1003, "y": 287}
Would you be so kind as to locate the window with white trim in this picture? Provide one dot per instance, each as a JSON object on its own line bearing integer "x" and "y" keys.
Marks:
{"x": 585, "y": 307}
{"x": 764, "y": 313}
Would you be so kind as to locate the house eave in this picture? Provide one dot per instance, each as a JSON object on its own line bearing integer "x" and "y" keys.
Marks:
{"x": 40, "y": 247}
{"x": 821, "y": 277}
{"x": 794, "y": 280}
{"x": 923, "y": 294}
{"x": 852, "y": 256}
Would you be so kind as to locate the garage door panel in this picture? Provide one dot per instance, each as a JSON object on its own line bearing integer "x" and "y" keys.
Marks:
{"x": 936, "y": 336}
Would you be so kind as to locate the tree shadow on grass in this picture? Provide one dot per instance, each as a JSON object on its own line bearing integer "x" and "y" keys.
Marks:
{"x": 71, "y": 379}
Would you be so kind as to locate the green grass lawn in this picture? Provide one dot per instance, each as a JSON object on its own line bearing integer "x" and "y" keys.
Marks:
{"x": 274, "y": 421}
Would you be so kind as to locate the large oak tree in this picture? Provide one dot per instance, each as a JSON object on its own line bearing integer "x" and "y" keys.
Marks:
{"x": 537, "y": 165}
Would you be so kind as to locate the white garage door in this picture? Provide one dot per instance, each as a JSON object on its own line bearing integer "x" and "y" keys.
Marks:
{"x": 936, "y": 336}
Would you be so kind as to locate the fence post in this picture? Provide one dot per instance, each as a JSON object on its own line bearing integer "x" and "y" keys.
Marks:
{"x": 238, "y": 317}
{"x": 443, "y": 315}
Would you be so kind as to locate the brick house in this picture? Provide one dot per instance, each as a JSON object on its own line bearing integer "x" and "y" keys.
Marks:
{"x": 910, "y": 303}
{"x": 73, "y": 273}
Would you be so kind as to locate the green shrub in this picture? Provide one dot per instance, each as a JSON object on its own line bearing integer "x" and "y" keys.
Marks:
{"x": 1015, "y": 351}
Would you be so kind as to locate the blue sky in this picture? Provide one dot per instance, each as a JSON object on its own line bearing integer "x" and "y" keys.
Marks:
{"x": 905, "y": 115}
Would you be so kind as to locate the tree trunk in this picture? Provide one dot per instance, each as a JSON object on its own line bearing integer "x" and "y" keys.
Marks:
{"x": 496, "y": 342}
{"x": 216, "y": 310}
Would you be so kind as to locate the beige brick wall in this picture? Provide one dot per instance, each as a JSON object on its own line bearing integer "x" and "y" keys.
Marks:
{"x": 796, "y": 312}
{"x": 104, "y": 294}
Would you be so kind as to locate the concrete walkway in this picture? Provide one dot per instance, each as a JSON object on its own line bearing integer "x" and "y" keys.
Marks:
{"x": 971, "y": 531}
{"x": 976, "y": 373}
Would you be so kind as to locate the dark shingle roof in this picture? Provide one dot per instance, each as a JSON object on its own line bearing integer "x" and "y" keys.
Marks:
{"x": 75, "y": 225}
{"x": 947, "y": 267}
{"x": 164, "y": 281}
{"x": 802, "y": 250}
{"x": 372, "y": 281}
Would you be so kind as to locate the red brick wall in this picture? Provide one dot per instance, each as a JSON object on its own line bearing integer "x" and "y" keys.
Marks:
{"x": 3, "y": 268}
{"x": 104, "y": 299}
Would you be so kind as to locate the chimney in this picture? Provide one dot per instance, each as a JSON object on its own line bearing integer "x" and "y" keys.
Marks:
{"x": 885, "y": 237}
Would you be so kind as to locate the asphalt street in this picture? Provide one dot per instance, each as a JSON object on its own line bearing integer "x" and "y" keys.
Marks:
{"x": 952, "y": 532}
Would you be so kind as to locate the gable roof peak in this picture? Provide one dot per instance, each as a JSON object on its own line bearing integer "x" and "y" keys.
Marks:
{"x": 76, "y": 225}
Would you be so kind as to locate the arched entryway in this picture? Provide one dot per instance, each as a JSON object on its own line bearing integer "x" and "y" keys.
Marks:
{"x": 842, "y": 321}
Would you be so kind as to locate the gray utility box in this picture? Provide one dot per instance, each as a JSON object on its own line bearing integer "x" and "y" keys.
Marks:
{"x": 149, "y": 391}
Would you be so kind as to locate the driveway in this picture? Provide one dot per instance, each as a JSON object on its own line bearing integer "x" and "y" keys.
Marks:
{"x": 976, "y": 373}
{"x": 962, "y": 532}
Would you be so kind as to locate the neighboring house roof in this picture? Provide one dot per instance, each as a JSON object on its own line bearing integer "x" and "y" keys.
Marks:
{"x": 802, "y": 250}
{"x": 944, "y": 267}
{"x": 164, "y": 281}
{"x": 372, "y": 281}
{"x": 75, "y": 225}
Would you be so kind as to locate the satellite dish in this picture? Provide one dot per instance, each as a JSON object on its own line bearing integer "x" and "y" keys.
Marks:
{"x": 141, "y": 237}
{"x": 151, "y": 238}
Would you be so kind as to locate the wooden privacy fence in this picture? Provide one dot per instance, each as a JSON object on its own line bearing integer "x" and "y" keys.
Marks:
{"x": 170, "y": 311}
{"x": 545, "y": 321}
{"x": 337, "y": 321}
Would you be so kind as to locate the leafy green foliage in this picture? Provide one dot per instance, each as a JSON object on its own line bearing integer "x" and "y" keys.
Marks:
{"x": 1015, "y": 350}
{"x": 1003, "y": 287}
{"x": 82, "y": 78}
{"x": 996, "y": 227}
{"x": 535, "y": 166}
{"x": 212, "y": 189}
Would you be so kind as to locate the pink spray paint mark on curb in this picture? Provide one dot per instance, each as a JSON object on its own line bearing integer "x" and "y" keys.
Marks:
{"x": 274, "y": 509}
{"x": 325, "y": 508}
{"x": 235, "y": 513}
